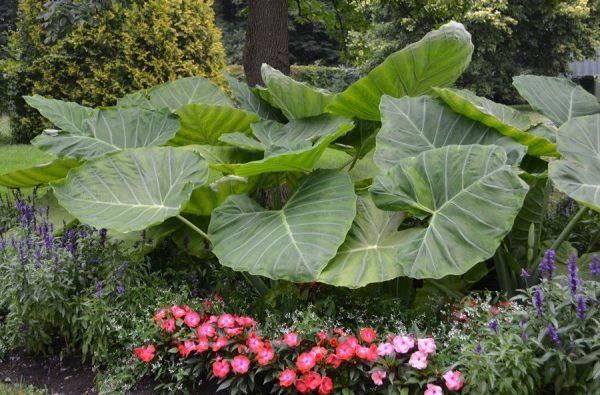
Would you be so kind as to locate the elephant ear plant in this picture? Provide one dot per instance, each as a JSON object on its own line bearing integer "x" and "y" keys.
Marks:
{"x": 398, "y": 176}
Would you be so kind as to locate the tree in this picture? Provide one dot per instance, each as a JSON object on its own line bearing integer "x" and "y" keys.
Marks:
{"x": 266, "y": 38}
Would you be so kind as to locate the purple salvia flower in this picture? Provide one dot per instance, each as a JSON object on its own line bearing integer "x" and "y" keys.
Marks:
{"x": 493, "y": 325}
{"x": 572, "y": 273}
{"x": 478, "y": 348}
{"x": 102, "y": 234}
{"x": 524, "y": 273}
{"x": 120, "y": 289}
{"x": 38, "y": 256}
{"x": 548, "y": 263}
{"x": 2, "y": 244}
{"x": 71, "y": 241}
{"x": 553, "y": 335}
{"x": 538, "y": 300}
{"x": 121, "y": 268}
{"x": 12, "y": 242}
{"x": 595, "y": 265}
{"x": 581, "y": 307}
{"x": 99, "y": 288}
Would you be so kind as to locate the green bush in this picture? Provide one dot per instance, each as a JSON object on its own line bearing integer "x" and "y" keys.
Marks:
{"x": 125, "y": 48}
{"x": 511, "y": 37}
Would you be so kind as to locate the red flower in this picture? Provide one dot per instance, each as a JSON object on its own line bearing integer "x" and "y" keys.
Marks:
{"x": 326, "y": 386}
{"x": 219, "y": 343}
{"x": 254, "y": 343}
{"x": 368, "y": 335}
{"x": 177, "y": 311}
{"x": 287, "y": 378}
{"x": 345, "y": 351}
{"x": 305, "y": 362}
{"x": 234, "y": 331}
{"x": 352, "y": 341}
{"x": 319, "y": 353}
{"x": 291, "y": 339}
{"x": 312, "y": 380}
{"x": 146, "y": 354}
{"x": 226, "y": 321}
{"x": 221, "y": 368}
{"x": 240, "y": 364}
{"x": 186, "y": 348}
{"x": 168, "y": 325}
{"x": 192, "y": 319}
{"x": 333, "y": 360}
{"x": 302, "y": 387}
{"x": 160, "y": 315}
{"x": 333, "y": 342}
{"x": 264, "y": 356}
{"x": 322, "y": 337}
{"x": 202, "y": 344}
{"x": 207, "y": 330}
{"x": 246, "y": 322}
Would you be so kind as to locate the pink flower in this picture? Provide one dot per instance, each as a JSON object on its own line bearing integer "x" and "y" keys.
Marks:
{"x": 301, "y": 387}
{"x": 246, "y": 322}
{"x": 202, "y": 344}
{"x": 168, "y": 325}
{"x": 433, "y": 389}
{"x": 207, "y": 330}
{"x": 177, "y": 311}
{"x": 291, "y": 339}
{"x": 319, "y": 353}
{"x": 264, "y": 356}
{"x": 231, "y": 332}
{"x": 312, "y": 380}
{"x": 219, "y": 343}
{"x": 403, "y": 344}
{"x": 240, "y": 364}
{"x": 427, "y": 345}
{"x": 226, "y": 321}
{"x": 368, "y": 335}
{"x": 378, "y": 377}
{"x": 146, "y": 354}
{"x": 326, "y": 386}
{"x": 333, "y": 360}
{"x": 345, "y": 351}
{"x": 186, "y": 348}
{"x": 454, "y": 380}
{"x": 221, "y": 368}
{"x": 287, "y": 378}
{"x": 160, "y": 315}
{"x": 305, "y": 362}
{"x": 254, "y": 343}
{"x": 192, "y": 319}
{"x": 385, "y": 349}
{"x": 367, "y": 353}
{"x": 352, "y": 342}
{"x": 418, "y": 360}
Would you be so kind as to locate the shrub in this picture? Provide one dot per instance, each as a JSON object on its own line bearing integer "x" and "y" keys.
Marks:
{"x": 125, "y": 48}
{"x": 511, "y": 37}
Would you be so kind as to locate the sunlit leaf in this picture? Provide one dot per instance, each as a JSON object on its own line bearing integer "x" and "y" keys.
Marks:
{"x": 38, "y": 175}
{"x": 66, "y": 116}
{"x": 177, "y": 94}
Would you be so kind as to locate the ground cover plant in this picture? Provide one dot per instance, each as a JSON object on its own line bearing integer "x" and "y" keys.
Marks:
{"x": 399, "y": 186}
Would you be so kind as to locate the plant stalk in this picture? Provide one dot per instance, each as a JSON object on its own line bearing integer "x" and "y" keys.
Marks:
{"x": 194, "y": 227}
{"x": 568, "y": 229}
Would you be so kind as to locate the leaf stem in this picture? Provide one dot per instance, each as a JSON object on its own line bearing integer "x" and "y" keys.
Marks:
{"x": 569, "y": 228}
{"x": 194, "y": 227}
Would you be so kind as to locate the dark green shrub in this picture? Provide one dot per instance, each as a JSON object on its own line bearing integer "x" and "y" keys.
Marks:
{"x": 125, "y": 48}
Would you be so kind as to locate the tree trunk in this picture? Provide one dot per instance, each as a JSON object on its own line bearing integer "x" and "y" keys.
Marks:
{"x": 266, "y": 38}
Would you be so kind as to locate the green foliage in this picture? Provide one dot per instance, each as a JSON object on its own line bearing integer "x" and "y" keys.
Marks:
{"x": 8, "y": 15}
{"x": 511, "y": 37}
{"x": 124, "y": 48}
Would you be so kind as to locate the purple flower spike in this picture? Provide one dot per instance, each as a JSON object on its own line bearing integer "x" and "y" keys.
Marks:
{"x": 572, "y": 274}
{"x": 538, "y": 300}
{"x": 478, "y": 348}
{"x": 595, "y": 265}
{"x": 548, "y": 263}
{"x": 493, "y": 325}
{"x": 581, "y": 307}
{"x": 525, "y": 274}
{"x": 120, "y": 289}
{"x": 99, "y": 288}
{"x": 553, "y": 335}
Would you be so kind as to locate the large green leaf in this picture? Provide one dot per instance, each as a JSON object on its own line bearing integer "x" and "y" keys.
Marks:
{"x": 471, "y": 197}
{"x": 295, "y": 146}
{"x": 295, "y": 99}
{"x": 203, "y": 123}
{"x": 369, "y": 253}
{"x": 64, "y": 115}
{"x": 38, "y": 175}
{"x": 132, "y": 189}
{"x": 177, "y": 94}
{"x": 222, "y": 158}
{"x": 251, "y": 101}
{"x": 411, "y": 125}
{"x": 578, "y": 173}
{"x": 438, "y": 59}
{"x": 294, "y": 243}
{"x": 557, "y": 98}
{"x": 112, "y": 129}
{"x": 506, "y": 120}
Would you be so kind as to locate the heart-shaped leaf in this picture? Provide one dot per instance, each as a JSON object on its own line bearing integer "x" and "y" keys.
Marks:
{"x": 411, "y": 125}
{"x": 251, "y": 101}
{"x": 132, "y": 189}
{"x": 110, "y": 130}
{"x": 203, "y": 123}
{"x": 295, "y": 99}
{"x": 369, "y": 254}
{"x": 295, "y": 146}
{"x": 578, "y": 173}
{"x": 38, "y": 175}
{"x": 66, "y": 116}
{"x": 179, "y": 93}
{"x": 438, "y": 59}
{"x": 471, "y": 197}
{"x": 506, "y": 120}
{"x": 294, "y": 243}
{"x": 558, "y": 98}
{"x": 206, "y": 198}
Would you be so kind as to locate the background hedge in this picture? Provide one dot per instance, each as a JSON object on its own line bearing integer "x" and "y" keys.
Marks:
{"x": 132, "y": 45}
